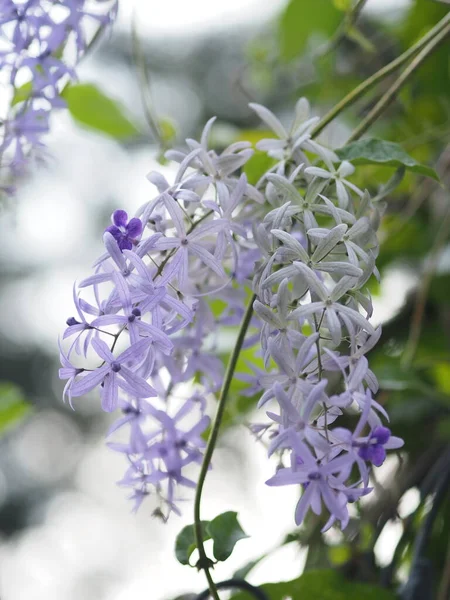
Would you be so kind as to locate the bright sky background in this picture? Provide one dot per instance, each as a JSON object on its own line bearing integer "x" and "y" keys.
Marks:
{"x": 174, "y": 17}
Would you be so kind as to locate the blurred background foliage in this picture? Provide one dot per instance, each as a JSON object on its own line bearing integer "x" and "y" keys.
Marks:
{"x": 320, "y": 49}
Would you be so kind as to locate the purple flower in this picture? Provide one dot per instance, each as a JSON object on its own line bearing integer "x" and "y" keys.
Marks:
{"x": 114, "y": 374}
{"x": 125, "y": 232}
{"x": 310, "y": 283}
{"x": 23, "y": 133}
{"x": 34, "y": 40}
{"x": 320, "y": 480}
{"x": 135, "y": 414}
{"x": 131, "y": 319}
{"x": 373, "y": 448}
{"x": 69, "y": 372}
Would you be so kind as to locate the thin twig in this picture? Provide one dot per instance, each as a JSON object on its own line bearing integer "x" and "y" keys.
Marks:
{"x": 204, "y": 562}
{"x": 369, "y": 83}
{"x": 344, "y": 28}
{"x": 392, "y": 92}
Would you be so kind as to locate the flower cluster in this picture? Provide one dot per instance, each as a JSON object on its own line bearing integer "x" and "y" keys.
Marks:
{"x": 40, "y": 43}
{"x": 144, "y": 315}
{"x": 318, "y": 246}
{"x": 304, "y": 238}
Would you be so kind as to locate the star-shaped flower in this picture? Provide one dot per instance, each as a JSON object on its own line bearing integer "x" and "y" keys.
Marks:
{"x": 125, "y": 232}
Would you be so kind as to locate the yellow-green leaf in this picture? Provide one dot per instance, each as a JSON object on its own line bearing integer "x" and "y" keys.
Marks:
{"x": 92, "y": 108}
{"x": 13, "y": 406}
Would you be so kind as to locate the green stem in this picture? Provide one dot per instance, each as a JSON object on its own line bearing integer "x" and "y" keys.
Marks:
{"x": 344, "y": 28}
{"x": 369, "y": 83}
{"x": 204, "y": 562}
{"x": 389, "y": 96}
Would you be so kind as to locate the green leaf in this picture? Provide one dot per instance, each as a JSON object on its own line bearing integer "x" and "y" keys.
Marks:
{"x": 339, "y": 555}
{"x": 441, "y": 372}
{"x": 301, "y": 19}
{"x": 393, "y": 376}
{"x": 258, "y": 164}
{"x": 13, "y": 406}
{"x": 22, "y": 93}
{"x": 225, "y": 532}
{"x": 91, "y": 107}
{"x": 168, "y": 130}
{"x": 387, "y": 188}
{"x": 371, "y": 151}
{"x": 321, "y": 585}
{"x": 443, "y": 429}
{"x": 343, "y": 5}
{"x": 185, "y": 543}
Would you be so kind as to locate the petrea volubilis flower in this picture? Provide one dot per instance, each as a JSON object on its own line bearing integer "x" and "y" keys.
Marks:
{"x": 304, "y": 238}
{"x": 36, "y": 38}
{"x": 125, "y": 232}
{"x": 310, "y": 285}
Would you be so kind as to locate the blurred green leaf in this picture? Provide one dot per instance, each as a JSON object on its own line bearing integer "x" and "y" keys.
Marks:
{"x": 443, "y": 429}
{"x": 321, "y": 585}
{"x": 392, "y": 375}
{"x": 168, "y": 130}
{"x": 403, "y": 240}
{"x": 343, "y": 5}
{"x": 433, "y": 80}
{"x": 22, "y": 93}
{"x": 339, "y": 555}
{"x": 185, "y": 543}
{"x": 439, "y": 288}
{"x": 13, "y": 406}
{"x": 225, "y": 532}
{"x": 371, "y": 150}
{"x": 217, "y": 307}
{"x": 258, "y": 164}
{"x": 303, "y": 18}
{"x": 441, "y": 372}
{"x": 91, "y": 107}
{"x": 387, "y": 188}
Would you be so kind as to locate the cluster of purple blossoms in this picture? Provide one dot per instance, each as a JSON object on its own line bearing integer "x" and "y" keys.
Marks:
{"x": 145, "y": 334}
{"x": 40, "y": 43}
{"x": 318, "y": 244}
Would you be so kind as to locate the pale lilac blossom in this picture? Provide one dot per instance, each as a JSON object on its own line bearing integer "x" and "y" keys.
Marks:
{"x": 205, "y": 240}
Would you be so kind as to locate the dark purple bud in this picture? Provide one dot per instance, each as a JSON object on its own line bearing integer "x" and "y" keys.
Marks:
{"x": 72, "y": 321}
{"x": 136, "y": 312}
{"x": 314, "y": 476}
{"x": 115, "y": 367}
